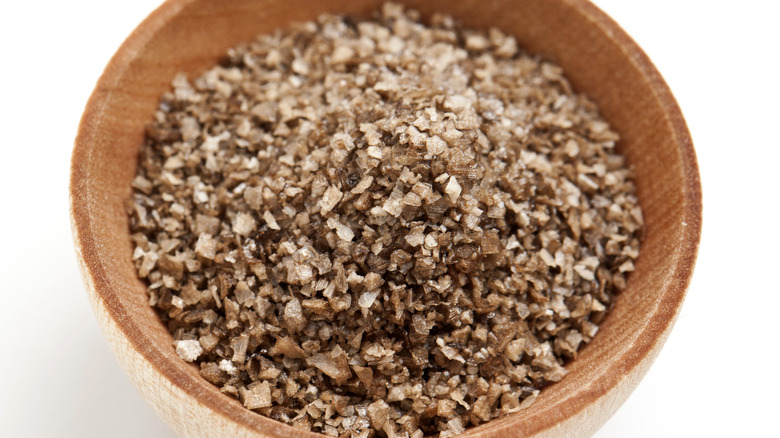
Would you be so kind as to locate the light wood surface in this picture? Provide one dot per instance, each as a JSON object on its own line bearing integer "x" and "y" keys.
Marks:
{"x": 600, "y": 60}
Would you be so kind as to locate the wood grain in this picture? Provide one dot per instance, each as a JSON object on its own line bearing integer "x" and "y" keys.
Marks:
{"x": 600, "y": 60}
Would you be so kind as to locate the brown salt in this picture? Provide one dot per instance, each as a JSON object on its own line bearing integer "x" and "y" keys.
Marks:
{"x": 382, "y": 228}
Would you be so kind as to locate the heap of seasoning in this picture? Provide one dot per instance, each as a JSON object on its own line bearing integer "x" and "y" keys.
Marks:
{"x": 382, "y": 228}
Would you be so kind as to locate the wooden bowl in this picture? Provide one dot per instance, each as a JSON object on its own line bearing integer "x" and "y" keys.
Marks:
{"x": 600, "y": 60}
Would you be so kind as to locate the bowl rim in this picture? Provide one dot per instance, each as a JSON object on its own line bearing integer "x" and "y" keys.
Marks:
{"x": 99, "y": 284}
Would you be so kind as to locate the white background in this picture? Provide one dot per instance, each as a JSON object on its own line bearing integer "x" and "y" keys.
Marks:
{"x": 716, "y": 376}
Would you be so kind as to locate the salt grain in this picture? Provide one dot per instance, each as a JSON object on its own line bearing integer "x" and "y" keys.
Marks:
{"x": 244, "y": 224}
{"x": 270, "y": 220}
{"x": 330, "y": 199}
{"x": 453, "y": 189}
{"x": 189, "y": 350}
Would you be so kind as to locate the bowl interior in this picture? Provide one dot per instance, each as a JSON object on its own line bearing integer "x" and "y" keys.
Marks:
{"x": 600, "y": 60}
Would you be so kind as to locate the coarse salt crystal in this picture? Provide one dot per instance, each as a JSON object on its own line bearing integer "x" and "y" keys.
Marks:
{"x": 547, "y": 258}
{"x": 374, "y": 151}
{"x": 227, "y": 366}
{"x": 206, "y": 246}
{"x": 257, "y": 395}
{"x": 584, "y": 272}
{"x": 243, "y": 224}
{"x": 343, "y": 231}
{"x": 341, "y": 55}
{"x": 367, "y": 299}
{"x": 270, "y": 220}
{"x": 457, "y": 103}
{"x": 330, "y": 199}
{"x": 416, "y": 237}
{"x": 177, "y": 302}
{"x": 453, "y": 189}
{"x": 435, "y": 145}
{"x": 189, "y": 350}
{"x": 363, "y": 185}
